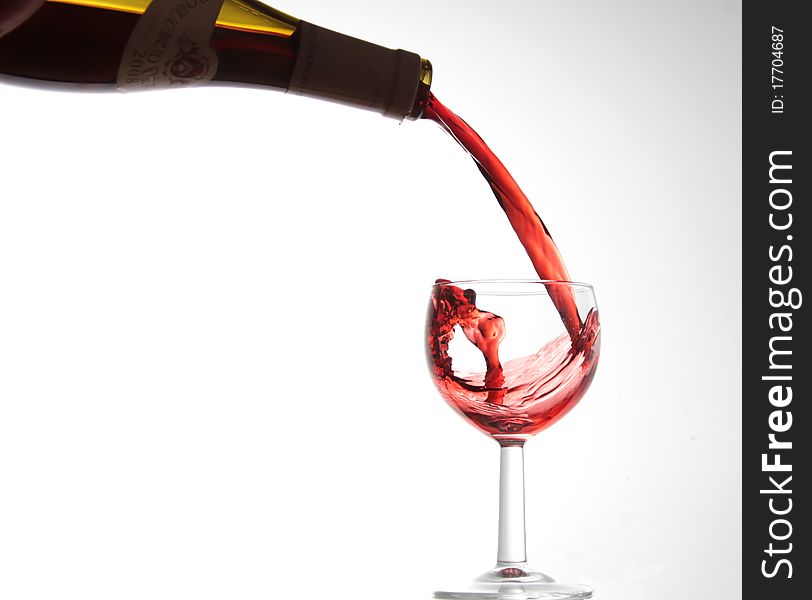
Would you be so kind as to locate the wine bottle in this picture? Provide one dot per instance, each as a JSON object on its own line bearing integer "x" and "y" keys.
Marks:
{"x": 154, "y": 44}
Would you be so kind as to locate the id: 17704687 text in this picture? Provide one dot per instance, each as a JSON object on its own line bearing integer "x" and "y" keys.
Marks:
{"x": 777, "y": 71}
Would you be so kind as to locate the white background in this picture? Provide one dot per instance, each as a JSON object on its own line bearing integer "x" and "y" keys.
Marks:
{"x": 212, "y": 378}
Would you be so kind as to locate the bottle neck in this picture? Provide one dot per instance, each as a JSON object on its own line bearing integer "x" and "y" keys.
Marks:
{"x": 339, "y": 68}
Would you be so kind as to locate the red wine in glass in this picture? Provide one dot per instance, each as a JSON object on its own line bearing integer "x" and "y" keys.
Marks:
{"x": 526, "y": 405}
{"x": 512, "y": 400}
{"x": 511, "y": 370}
{"x": 533, "y": 361}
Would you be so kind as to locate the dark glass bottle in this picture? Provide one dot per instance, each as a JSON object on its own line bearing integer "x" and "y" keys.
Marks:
{"x": 152, "y": 44}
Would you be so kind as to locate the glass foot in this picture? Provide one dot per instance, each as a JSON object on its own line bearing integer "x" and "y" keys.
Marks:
{"x": 517, "y": 583}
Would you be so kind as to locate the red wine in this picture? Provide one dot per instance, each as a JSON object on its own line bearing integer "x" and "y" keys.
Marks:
{"x": 529, "y": 227}
{"x": 515, "y": 400}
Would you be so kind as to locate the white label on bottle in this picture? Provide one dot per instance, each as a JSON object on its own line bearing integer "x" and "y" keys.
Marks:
{"x": 170, "y": 46}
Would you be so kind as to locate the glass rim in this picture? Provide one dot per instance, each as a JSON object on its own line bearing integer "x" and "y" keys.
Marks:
{"x": 543, "y": 282}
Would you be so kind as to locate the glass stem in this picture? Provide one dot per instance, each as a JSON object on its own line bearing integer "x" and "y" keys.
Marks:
{"x": 511, "y": 506}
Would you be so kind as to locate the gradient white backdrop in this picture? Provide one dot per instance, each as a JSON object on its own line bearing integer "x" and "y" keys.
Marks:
{"x": 212, "y": 377}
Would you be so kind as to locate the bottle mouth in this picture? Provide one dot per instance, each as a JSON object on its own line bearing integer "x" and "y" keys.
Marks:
{"x": 426, "y": 71}
{"x": 423, "y": 89}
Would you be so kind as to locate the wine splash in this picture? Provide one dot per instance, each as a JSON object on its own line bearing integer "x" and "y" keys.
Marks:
{"x": 517, "y": 399}
{"x": 520, "y": 398}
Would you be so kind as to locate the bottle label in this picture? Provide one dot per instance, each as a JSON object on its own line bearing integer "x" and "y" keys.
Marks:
{"x": 170, "y": 46}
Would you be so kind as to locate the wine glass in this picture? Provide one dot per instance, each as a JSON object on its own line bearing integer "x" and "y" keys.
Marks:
{"x": 504, "y": 358}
